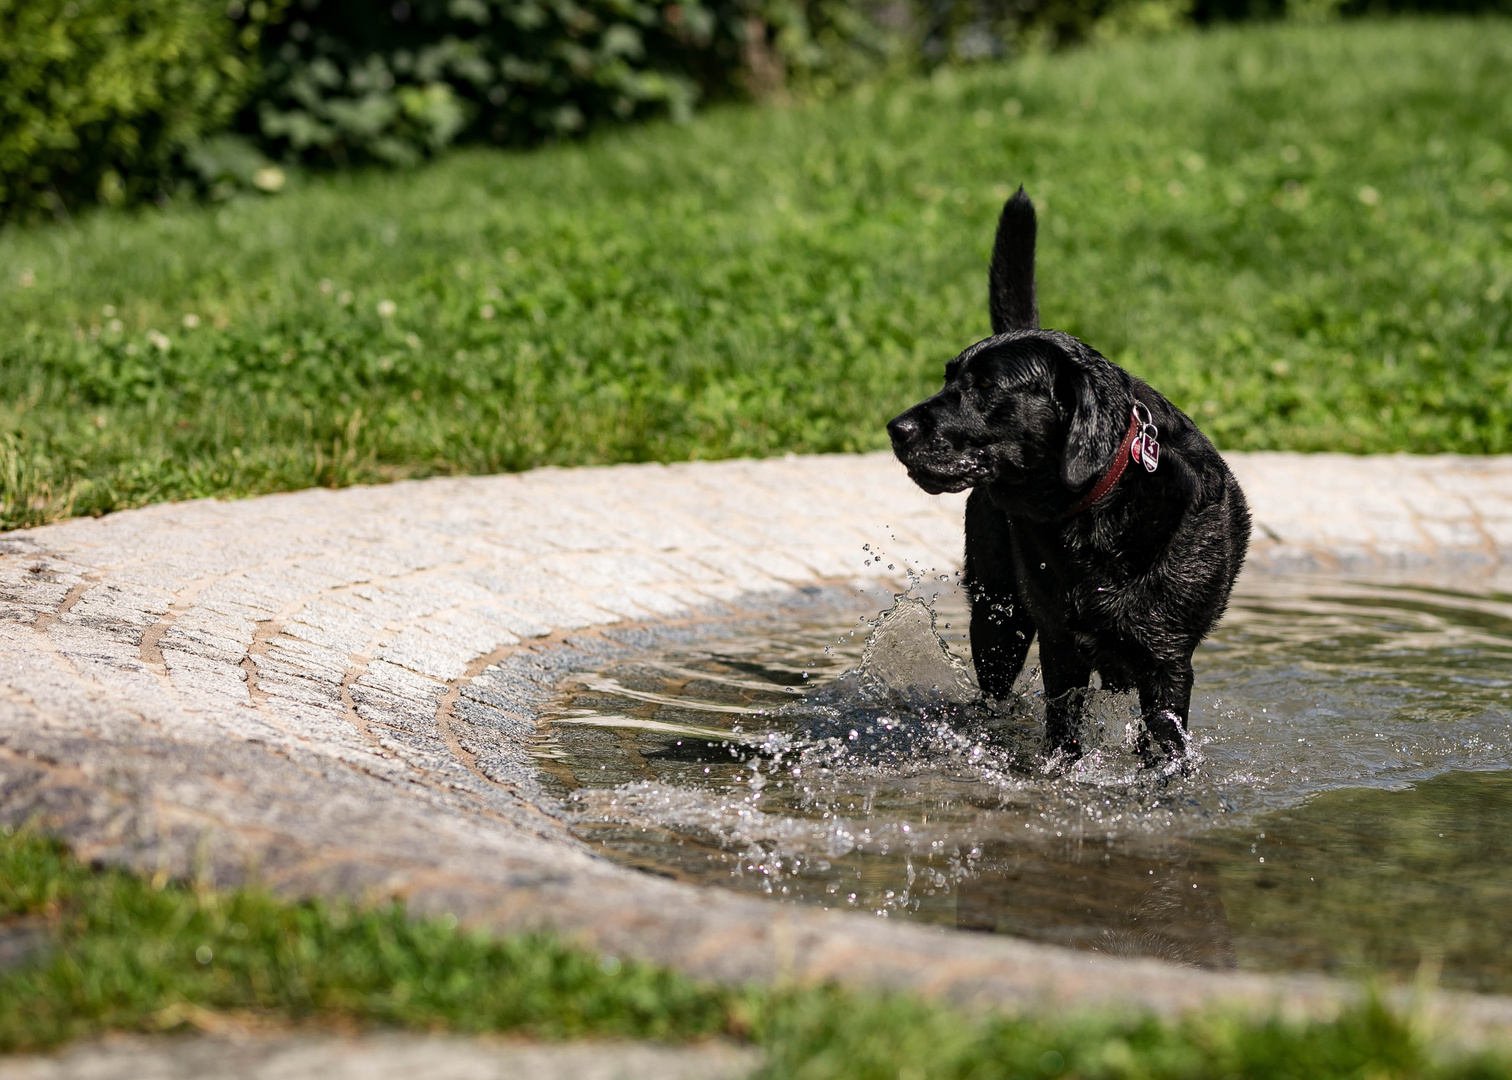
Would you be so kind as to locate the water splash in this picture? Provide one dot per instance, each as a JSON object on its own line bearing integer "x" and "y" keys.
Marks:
{"x": 883, "y": 782}
{"x": 906, "y": 655}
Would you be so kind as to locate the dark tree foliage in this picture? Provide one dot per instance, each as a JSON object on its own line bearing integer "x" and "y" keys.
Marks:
{"x": 346, "y": 80}
{"x": 120, "y": 100}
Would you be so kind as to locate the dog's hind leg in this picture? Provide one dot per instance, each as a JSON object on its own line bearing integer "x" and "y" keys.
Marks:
{"x": 1165, "y": 697}
{"x": 1001, "y": 627}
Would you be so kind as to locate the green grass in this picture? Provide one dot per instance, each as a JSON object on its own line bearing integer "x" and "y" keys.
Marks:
{"x": 140, "y": 955}
{"x": 1303, "y": 235}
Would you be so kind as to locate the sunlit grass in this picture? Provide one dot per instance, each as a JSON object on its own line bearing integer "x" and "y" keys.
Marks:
{"x": 1303, "y": 235}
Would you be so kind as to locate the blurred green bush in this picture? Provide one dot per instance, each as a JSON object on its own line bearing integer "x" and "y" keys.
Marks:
{"x": 967, "y": 30}
{"x": 348, "y": 80}
{"x": 100, "y": 99}
{"x": 118, "y": 100}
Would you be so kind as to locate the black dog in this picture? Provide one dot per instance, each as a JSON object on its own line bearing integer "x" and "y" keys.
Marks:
{"x": 1099, "y": 518}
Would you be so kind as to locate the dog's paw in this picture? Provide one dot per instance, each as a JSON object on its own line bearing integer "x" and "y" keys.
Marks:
{"x": 1165, "y": 747}
{"x": 1062, "y": 758}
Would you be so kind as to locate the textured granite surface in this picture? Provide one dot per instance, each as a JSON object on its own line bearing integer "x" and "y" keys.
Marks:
{"x": 333, "y": 691}
{"x": 243, "y": 1056}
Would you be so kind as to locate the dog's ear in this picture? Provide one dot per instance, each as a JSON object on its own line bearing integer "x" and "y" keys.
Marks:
{"x": 1010, "y": 280}
{"x": 1098, "y": 422}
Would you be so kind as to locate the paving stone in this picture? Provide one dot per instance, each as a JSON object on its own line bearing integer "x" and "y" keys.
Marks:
{"x": 378, "y": 1057}
{"x": 334, "y": 691}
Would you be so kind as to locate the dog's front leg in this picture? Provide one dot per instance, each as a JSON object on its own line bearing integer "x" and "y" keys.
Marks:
{"x": 1165, "y": 697}
{"x": 1001, "y": 630}
{"x": 1066, "y": 676}
{"x": 1001, "y": 626}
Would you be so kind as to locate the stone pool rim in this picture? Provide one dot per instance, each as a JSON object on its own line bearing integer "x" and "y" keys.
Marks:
{"x": 284, "y": 688}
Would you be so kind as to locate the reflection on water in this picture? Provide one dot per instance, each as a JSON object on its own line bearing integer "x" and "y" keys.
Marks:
{"x": 1160, "y": 903}
{"x": 1359, "y": 880}
{"x": 1352, "y": 810}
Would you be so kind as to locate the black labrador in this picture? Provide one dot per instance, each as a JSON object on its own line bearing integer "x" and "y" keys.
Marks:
{"x": 1099, "y": 519}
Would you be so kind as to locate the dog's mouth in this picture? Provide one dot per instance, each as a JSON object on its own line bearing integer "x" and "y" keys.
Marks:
{"x": 956, "y": 473}
{"x": 938, "y": 483}
{"x": 922, "y": 441}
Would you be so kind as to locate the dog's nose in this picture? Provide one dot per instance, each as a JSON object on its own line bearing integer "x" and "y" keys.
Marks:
{"x": 903, "y": 430}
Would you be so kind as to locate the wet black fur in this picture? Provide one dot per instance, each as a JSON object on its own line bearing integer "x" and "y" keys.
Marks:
{"x": 1029, "y": 420}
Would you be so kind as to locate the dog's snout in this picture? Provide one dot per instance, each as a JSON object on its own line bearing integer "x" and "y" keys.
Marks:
{"x": 903, "y": 430}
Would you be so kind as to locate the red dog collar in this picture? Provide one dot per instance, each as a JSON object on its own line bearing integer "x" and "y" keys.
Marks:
{"x": 1140, "y": 443}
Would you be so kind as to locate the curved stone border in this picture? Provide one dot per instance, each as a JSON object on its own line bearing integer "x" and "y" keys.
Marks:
{"x": 1440, "y": 516}
{"x": 252, "y": 1055}
{"x": 333, "y": 691}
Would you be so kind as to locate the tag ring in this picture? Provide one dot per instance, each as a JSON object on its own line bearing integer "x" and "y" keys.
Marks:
{"x": 1145, "y": 449}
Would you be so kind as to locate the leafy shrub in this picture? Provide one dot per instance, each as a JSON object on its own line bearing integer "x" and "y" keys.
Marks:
{"x": 101, "y": 97}
{"x": 1210, "y": 11}
{"x": 116, "y": 100}
{"x": 348, "y": 81}
{"x": 965, "y": 30}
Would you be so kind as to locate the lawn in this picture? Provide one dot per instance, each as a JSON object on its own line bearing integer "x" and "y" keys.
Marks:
{"x": 130, "y": 953}
{"x": 1302, "y": 235}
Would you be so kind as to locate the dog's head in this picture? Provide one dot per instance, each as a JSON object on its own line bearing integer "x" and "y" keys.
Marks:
{"x": 1034, "y": 415}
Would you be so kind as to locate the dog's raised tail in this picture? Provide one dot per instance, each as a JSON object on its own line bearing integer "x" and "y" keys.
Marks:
{"x": 1010, "y": 281}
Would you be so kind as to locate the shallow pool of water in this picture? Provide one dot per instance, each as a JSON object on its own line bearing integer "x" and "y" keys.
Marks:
{"x": 1351, "y": 810}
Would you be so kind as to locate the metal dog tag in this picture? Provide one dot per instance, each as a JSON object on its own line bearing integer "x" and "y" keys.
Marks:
{"x": 1145, "y": 449}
